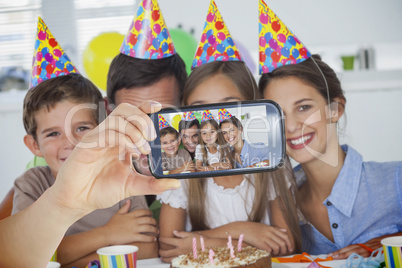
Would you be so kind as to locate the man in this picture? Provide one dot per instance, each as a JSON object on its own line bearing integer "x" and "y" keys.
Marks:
{"x": 188, "y": 131}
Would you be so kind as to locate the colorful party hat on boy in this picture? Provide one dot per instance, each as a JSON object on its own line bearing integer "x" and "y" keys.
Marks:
{"x": 206, "y": 116}
{"x": 216, "y": 43}
{"x": 189, "y": 116}
{"x": 278, "y": 45}
{"x": 224, "y": 114}
{"x": 162, "y": 122}
{"x": 49, "y": 59}
{"x": 148, "y": 36}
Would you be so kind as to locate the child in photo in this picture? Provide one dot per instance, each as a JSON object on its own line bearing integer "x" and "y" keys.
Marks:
{"x": 211, "y": 152}
{"x": 174, "y": 160}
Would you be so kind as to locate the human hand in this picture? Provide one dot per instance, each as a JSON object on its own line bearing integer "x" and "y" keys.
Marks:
{"x": 99, "y": 171}
{"x": 345, "y": 252}
{"x": 188, "y": 166}
{"x": 181, "y": 243}
{"x": 269, "y": 238}
{"x": 127, "y": 227}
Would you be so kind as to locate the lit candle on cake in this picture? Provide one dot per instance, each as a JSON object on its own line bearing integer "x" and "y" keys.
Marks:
{"x": 195, "y": 248}
{"x": 240, "y": 242}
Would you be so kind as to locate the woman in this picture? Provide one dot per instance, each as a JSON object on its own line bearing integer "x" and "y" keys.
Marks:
{"x": 346, "y": 202}
{"x": 216, "y": 207}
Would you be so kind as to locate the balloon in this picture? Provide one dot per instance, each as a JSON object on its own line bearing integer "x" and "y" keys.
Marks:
{"x": 157, "y": 28}
{"x": 186, "y": 46}
{"x": 264, "y": 18}
{"x": 273, "y": 43}
{"x": 291, "y": 40}
{"x": 262, "y": 41}
{"x": 281, "y": 38}
{"x": 276, "y": 26}
{"x": 285, "y": 52}
{"x": 221, "y": 36}
{"x": 175, "y": 121}
{"x": 98, "y": 55}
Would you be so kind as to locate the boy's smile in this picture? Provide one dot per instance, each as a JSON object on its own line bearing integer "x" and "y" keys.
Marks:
{"x": 56, "y": 138}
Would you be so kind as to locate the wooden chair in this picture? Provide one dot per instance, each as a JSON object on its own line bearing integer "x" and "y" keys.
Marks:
{"x": 6, "y": 206}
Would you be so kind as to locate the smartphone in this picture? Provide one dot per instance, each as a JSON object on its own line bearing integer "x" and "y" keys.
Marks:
{"x": 217, "y": 139}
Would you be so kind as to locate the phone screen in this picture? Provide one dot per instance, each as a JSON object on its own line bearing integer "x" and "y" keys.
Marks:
{"x": 217, "y": 140}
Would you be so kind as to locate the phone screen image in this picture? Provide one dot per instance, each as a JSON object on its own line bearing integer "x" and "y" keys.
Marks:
{"x": 217, "y": 140}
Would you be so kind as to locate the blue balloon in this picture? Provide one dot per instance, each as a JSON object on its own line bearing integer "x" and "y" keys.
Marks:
{"x": 165, "y": 46}
{"x": 34, "y": 82}
{"x": 165, "y": 33}
{"x": 299, "y": 60}
{"x": 146, "y": 55}
{"x": 161, "y": 37}
{"x": 204, "y": 61}
{"x": 268, "y": 61}
{"x": 211, "y": 59}
{"x": 206, "y": 46}
{"x": 226, "y": 43}
{"x": 230, "y": 41}
{"x": 220, "y": 58}
{"x": 295, "y": 53}
{"x": 209, "y": 33}
{"x": 69, "y": 67}
{"x": 154, "y": 56}
{"x": 145, "y": 23}
{"x": 194, "y": 63}
{"x": 139, "y": 11}
{"x": 37, "y": 43}
{"x": 62, "y": 74}
{"x": 60, "y": 64}
{"x": 268, "y": 52}
{"x": 279, "y": 64}
{"x": 268, "y": 36}
{"x": 156, "y": 43}
{"x": 230, "y": 52}
{"x": 66, "y": 57}
{"x": 141, "y": 38}
{"x": 285, "y": 52}
{"x": 288, "y": 45}
{"x": 221, "y": 48}
{"x": 44, "y": 51}
{"x": 44, "y": 64}
{"x": 260, "y": 27}
{"x": 291, "y": 40}
{"x": 43, "y": 74}
{"x": 52, "y": 75}
{"x": 127, "y": 49}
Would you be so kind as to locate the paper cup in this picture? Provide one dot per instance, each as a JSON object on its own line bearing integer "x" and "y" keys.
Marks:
{"x": 53, "y": 264}
{"x": 118, "y": 256}
{"x": 392, "y": 251}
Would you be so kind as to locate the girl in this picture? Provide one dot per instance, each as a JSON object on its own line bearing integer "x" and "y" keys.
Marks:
{"x": 345, "y": 201}
{"x": 252, "y": 204}
{"x": 244, "y": 153}
{"x": 210, "y": 153}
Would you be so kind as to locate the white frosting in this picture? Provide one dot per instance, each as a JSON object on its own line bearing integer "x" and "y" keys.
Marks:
{"x": 222, "y": 258}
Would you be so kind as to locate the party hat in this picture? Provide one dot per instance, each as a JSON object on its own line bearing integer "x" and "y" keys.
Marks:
{"x": 162, "y": 122}
{"x": 278, "y": 45}
{"x": 189, "y": 116}
{"x": 49, "y": 59}
{"x": 206, "y": 115}
{"x": 224, "y": 114}
{"x": 148, "y": 36}
{"x": 216, "y": 43}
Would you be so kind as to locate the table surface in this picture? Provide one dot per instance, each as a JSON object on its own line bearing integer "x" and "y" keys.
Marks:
{"x": 157, "y": 263}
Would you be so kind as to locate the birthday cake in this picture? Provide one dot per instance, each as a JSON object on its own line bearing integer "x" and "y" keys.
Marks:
{"x": 248, "y": 257}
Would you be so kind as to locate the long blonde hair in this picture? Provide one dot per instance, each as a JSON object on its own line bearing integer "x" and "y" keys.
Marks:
{"x": 281, "y": 179}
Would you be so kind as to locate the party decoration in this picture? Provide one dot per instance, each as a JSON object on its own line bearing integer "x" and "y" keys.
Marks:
{"x": 198, "y": 116}
{"x": 49, "y": 59}
{"x": 206, "y": 116}
{"x": 185, "y": 45}
{"x": 189, "y": 116}
{"x": 216, "y": 43}
{"x": 278, "y": 45}
{"x": 98, "y": 55}
{"x": 162, "y": 122}
{"x": 175, "y": 121}
{"x": 224, "y": 114}
{"x": 148, "y": 37}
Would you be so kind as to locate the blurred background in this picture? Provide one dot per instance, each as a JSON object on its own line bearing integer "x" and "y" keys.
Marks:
{"x": 366, "y": 34}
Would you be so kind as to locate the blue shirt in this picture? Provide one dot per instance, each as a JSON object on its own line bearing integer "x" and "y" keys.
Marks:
{"x": 252, "y": 153}
{"x": 365, "y": 202}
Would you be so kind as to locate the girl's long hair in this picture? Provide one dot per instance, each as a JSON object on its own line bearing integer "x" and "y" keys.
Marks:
{"x": 220, "y": 142}
{"x": 282, "y": 179}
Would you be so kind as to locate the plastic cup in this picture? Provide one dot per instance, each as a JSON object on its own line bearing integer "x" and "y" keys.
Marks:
{"x": 118, "y": 256}
{"x": 392, "y": 251}
{"x": 348, "y": 62}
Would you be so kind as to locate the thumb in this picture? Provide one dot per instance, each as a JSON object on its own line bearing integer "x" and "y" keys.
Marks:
{"x": 125, "y": 208}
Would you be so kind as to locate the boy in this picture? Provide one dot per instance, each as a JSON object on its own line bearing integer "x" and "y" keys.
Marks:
{"x": 57, "y": 113}
{"x": 174, "y": 160}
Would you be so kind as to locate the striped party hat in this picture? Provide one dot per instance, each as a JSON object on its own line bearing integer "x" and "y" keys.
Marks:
{"x": 224, "y": 114}
{"x": 216, "y": 43}
{"x": 162, "y": 122}
{"x": 189, "y": 116}
{"x": 49, "y": 59}
{"x": 278, "y": 45}
{"x": 206, "y": 115}
{"x": 148, "y": 36}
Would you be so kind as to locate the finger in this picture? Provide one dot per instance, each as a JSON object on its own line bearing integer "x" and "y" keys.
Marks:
{"x": 137, "y": 117}
{"x": 282, "y": 234}
{"x": 146, "y": 221}
{"x": 147, "y": 229}
{"x": 182, "y": 234}
{"x": 275, "y": 247}
{"x": 144, "y": 238}
{"x": 139, "y": 184}
{"x": 170, "y": 241}
{"x": 125, "y": 208}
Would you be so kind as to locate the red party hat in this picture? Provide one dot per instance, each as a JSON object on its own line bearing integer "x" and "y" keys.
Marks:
{"x": 224, "y": 115}
{"x": 206, "y": 116}
{"x": 148, "y": 36}
{"x": 278, "y": 45}
{"x": 49, "y": 59}
{"x": 162, "y": 122}
{"x": 216, "y": 43}
{"x": 189, "y": 116}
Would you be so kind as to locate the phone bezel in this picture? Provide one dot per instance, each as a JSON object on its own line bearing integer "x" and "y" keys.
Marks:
{"x": 156, "y": 151}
